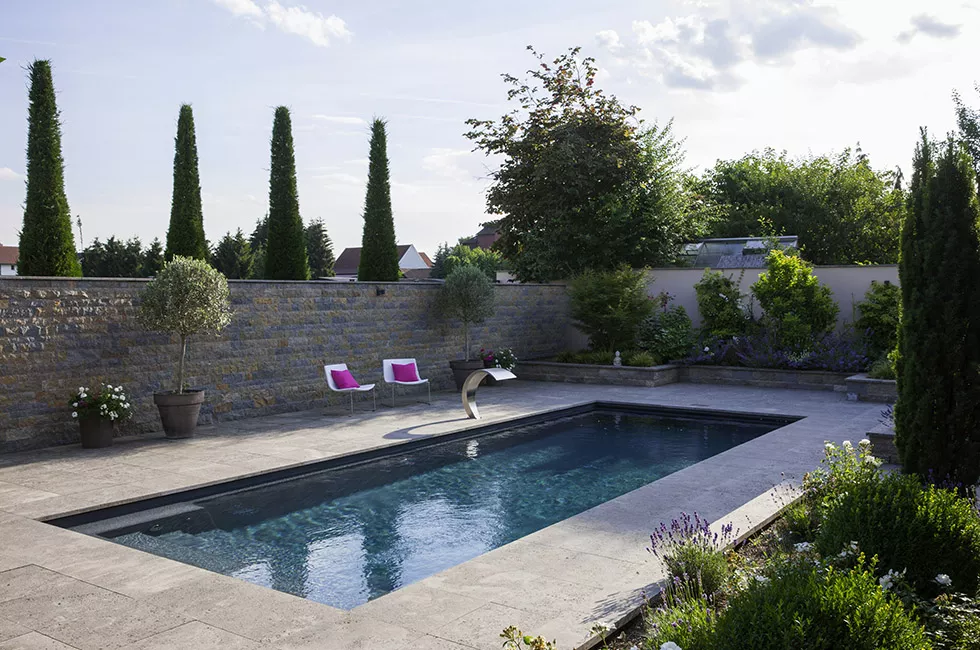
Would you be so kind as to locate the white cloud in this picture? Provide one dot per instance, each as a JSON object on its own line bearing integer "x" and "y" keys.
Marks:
{"x": 242, "y": 7}
{"x": 340, "y": 119}
{"x": 7, "y": 174}
{"x": 340, "y": 177}
{"x": 703, "y": 49}
{"x": 310, "y": 24}
{"x": 929, "y": 26}
{"x": 448, "y": 163}
{"x": 298, "y": 20}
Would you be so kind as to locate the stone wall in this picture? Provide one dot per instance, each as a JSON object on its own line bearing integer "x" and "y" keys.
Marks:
{"x": 582, "y": 373}
{"x": 58, "y": 334}
{"x": 765, "y": 377}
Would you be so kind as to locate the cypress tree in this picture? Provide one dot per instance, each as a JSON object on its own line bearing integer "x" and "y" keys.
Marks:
{"x": 937, "y": 417}
{"x": 379, "y": 251}
{"x": 285, "y": 250}
{"x": 319, "y": 250}
{"x": 185, "y": 236}
{"x": 47, "y": 243}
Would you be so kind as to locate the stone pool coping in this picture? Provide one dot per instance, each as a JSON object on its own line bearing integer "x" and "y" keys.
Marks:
{"x": 66, "y": 588}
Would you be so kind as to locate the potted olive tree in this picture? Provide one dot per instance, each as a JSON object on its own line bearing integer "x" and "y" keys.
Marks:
{"x": 186, "y": 297}
{"x": 466, "y": 296}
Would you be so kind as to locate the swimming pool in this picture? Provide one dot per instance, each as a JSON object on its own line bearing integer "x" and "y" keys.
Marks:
{"x": 348, "y": 534}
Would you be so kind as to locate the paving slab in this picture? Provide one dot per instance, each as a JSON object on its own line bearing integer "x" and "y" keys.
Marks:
{"x": 195, "y": 636}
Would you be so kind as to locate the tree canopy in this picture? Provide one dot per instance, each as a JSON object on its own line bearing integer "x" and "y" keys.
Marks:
{"x": 319, "y": 250}
{"x": 233, "y": 256}
{"x": 583, "y": 182}
{"x": 185, "y": 236}
{"x": 843, "y": 210}
{"x": 285, "y": 248}
{"x": 379, "y": 250}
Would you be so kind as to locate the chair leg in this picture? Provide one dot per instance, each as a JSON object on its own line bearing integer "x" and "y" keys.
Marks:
{"x": 351, "y": 393}
{"x": 428, "y": 385}
{"x": 392, "y": 396}
{"x": 374, "y": 397}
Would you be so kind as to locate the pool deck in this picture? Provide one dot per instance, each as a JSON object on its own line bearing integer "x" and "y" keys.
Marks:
{"x": 62, "y": 589}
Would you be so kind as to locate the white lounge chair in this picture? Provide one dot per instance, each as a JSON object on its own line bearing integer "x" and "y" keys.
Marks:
{"x": 389, "y": 375}
{"x": 350, "y": 391}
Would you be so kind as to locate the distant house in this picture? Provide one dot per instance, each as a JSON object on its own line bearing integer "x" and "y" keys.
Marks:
{"x": 8, "y": 259}
{"x": 735, "y": 252}
{"x": 483, "y": 239}
{"x": 413, "y": 264}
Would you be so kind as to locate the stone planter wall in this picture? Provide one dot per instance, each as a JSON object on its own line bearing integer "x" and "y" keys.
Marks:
{"x": 584, "y": 373}
{"x": 765, "y": 377}
{"x": 864, "y": 389}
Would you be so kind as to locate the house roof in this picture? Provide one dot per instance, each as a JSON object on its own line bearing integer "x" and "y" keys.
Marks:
{"x": 350, "y": 259}
{"x": 489, "y": 229}
{"x": 735, "y": 252}
{"x": 9, "y": 254}
{"x": 425, "y": 258}
{"x": 417, "y": 274}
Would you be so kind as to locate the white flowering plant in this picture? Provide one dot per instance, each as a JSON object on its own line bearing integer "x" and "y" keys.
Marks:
{"x": 108, "y": 402}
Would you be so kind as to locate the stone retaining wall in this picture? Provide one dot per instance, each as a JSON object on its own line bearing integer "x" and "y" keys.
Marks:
{"x": 765, "y": 377}
{"x": 58, "y": 334}
{"x": 864, "y": 389}
{"x": 583, "y": 373}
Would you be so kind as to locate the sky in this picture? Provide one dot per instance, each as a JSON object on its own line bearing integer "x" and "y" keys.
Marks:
{"x": 805, "y": 76}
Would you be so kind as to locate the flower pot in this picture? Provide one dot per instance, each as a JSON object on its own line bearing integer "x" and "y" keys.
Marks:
{"x": 462, "y": 369}
{"x": 95, "y": 432}
{"x": 179, "y": 411}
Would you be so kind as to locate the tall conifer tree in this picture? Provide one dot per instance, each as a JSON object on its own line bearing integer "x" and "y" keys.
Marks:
{"x": 285, "y": 251}
{"x": 185, "y": 236}
{"x": 937, "y": 417}
{"x": 47, "y": 243}
{"x": 319, "y": 250}
{"x": 379, "y": 251}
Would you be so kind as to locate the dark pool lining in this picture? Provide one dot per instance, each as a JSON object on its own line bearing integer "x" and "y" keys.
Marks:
{"x": 113, "y": 518}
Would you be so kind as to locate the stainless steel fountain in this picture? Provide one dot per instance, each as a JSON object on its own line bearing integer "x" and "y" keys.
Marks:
{"x": 473, "y": 382}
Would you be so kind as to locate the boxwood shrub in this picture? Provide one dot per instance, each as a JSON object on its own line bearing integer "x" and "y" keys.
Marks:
{"x": 922, "y": 529}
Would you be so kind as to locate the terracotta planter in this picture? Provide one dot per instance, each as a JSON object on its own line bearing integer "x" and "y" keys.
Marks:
{"x": 462, "y": 369}
{"x": 95, "y": 432}
{"x": 179, "y": 411}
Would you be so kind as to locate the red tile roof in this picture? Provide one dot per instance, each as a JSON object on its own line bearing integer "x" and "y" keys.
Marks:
{"x": 9, "y": 254}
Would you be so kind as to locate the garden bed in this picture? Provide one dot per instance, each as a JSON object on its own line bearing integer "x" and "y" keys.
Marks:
{"x": 765, "y": 377}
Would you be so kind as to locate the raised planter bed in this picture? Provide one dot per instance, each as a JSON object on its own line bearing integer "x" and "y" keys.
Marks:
{"x": 765, "y": 377}
{"x": 585, "y": 373}
{"x": 882, "y": 438}
{"x": 864, "y": 389}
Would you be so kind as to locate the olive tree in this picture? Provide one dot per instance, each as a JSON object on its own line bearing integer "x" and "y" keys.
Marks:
{"x": 467, "y": 296}
{"x": 186, "y": 297}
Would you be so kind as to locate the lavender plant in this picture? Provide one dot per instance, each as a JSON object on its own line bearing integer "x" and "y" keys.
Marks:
{"x": 693, "y": 553}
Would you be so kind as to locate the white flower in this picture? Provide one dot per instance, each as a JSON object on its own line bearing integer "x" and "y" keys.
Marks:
{"x": 802, "y": 547}
{"x": 126, "y": 405}
{"x": 75, "y": 404}
{"x": 887, "y": 581}
{"x": 864, "y": 443}
{"x": 853, "y": 547}
{"x": 109, "y": 386}
{"x": 847, "y": 445}
{"x": 81, "y": 390}
{"x": 762, "y": 579}
{"x": 943, "y": 579}
{"x": 74, "y": 414}
{"x": 118, "y": 388}
{"x": 83, "y": 395}
{"x": 829, "y": 446}
{"x": 707, "y": 349}
{"x": 670, "y": 645}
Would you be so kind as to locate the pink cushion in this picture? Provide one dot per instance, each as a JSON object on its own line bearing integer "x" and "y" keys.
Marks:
{"x": 405, "y": 372}
{"x": 343, "y": 379}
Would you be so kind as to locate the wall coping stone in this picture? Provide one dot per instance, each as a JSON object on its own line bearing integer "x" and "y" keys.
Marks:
{"x": 342, "y": 283}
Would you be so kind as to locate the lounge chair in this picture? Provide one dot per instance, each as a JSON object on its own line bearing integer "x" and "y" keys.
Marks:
{"x": 329, "y": 370}
{"x": 402, "y": 380}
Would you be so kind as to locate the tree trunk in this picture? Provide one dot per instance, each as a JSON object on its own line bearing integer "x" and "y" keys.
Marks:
{"x": 180, "y": 368}
{"x": 466, "y": 340}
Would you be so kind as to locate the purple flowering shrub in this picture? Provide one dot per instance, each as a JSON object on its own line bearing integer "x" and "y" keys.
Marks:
{"x": 836, "y": 352}
{"x": 692, "y": 553}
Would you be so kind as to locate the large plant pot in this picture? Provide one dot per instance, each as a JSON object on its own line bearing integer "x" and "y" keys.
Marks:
{"x": 179, "y": 411}
{"x": 462, "y": 369}
{"x": 95, "y": 432}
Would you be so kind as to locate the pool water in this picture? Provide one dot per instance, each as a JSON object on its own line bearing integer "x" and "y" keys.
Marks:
{"x": 345, "y": 536}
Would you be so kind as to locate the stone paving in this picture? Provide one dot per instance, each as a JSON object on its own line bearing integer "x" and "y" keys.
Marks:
{"x": 62, "y": 589}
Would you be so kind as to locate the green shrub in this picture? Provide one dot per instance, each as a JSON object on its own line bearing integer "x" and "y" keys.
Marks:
{"x": 884, "y": 368}
{"x": 923, "y": 529}
{"x": 879, "y": 314}
{"x": 800, "y": 521}
{"x": 953, "y": 622}
{"x": 843, "y": 466}
{"x": 593, "y": 357}
{"x": 685, "y": 618}
{"x": 795, "y": 303}
{"x": 640, "y": 359}
{"x": 721, "y": 305}
{"x": 803, "y": 606}
{"x": 609, "y": 306}
{"x": 667, "y": 333}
